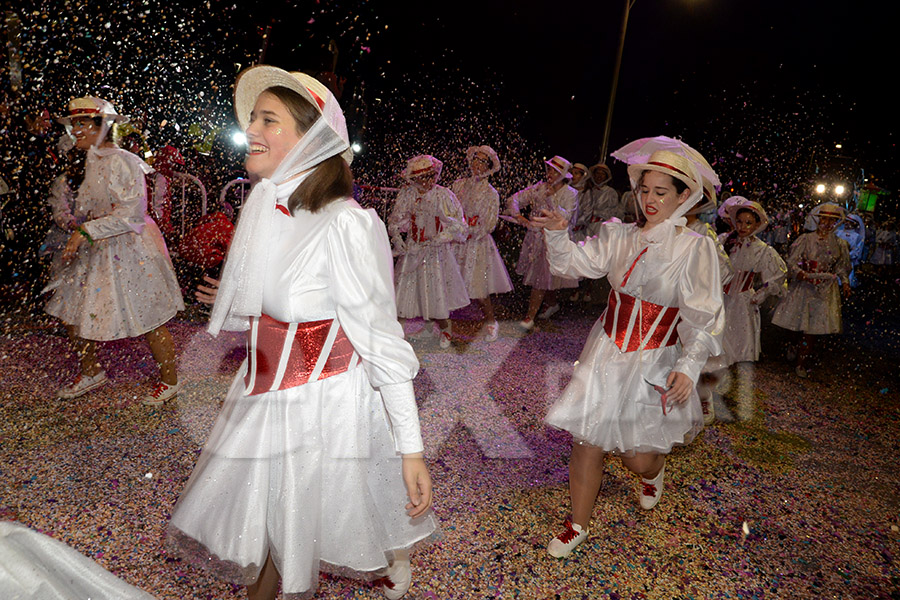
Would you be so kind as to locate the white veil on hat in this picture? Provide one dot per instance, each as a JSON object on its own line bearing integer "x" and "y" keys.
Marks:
{"x": 240, "y": 292}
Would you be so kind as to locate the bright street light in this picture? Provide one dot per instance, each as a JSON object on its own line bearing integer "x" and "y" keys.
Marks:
{"x": 839, "y": 190}
{"x": 820, "y": 189}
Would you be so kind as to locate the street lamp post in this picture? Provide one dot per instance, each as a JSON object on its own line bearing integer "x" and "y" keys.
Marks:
{"x": 604, "y": 147}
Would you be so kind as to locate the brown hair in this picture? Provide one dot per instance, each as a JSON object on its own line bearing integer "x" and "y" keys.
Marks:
{"x": 332, "y": 179}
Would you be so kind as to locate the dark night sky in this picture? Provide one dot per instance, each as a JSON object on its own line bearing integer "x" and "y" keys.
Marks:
{"x": 759, "y": 86}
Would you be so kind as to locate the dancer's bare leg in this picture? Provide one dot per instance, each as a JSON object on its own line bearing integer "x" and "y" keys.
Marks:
{"x": 86, "y": 350}
{"x": 266, "y": 585}
{"x": 534, "y": 303}
{"x": 646, "y": 464}
{"x": 487, "y": 308}
{"x": 585, "y": 477}
{"x": 163, "y": 349}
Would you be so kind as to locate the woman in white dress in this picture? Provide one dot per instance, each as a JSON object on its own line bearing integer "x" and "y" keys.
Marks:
{"x": 633, "y": 390}
{"x": 118, "y": 281}
{"x": 759, "y": 272}
{"x": 429, "y": 282}
{"x": 479, "y": 260}
{"x": 819, "y": 264}
{"x": 317, "y": 449}
{"x": 552, "y": 194}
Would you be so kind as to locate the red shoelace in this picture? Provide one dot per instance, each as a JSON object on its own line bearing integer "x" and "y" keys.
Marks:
{"x": 649, "y": 489}
{"x": 158, "y": 390}
{"x": 383, "y": 582}
{"x": 568, "y": 535}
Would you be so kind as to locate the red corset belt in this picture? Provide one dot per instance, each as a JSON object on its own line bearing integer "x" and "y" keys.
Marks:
{"x": 741, "y": 282}
{"x": 633, "y": 324}
{"x": 285, "y": 355}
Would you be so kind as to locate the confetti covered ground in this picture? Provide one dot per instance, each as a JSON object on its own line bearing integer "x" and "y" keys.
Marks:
{"x": 796, "y": 498}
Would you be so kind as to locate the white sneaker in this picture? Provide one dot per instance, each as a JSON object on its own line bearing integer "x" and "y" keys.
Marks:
{"x": 445, "y": 338}
{"x": 527, "y": 324}
{"x": 82, "y": 385}
{"x": 652, "y": 489}
{"x": 563, "y": 544}
{"x": 492, "y": 331}
{"x": 160, "y": 394}
{"x": 395, "y": 580}
{"x": 801, "y": 372}
{"x": 549, "y": 311}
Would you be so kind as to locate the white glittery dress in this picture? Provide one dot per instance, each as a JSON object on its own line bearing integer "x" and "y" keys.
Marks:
{"x": 610, "y": 401}
{"x": 533, "y": 265}
{"x": 814, "y": 306}
{"x": 759, "y": 273}
{"x": 428, "y": 279}
{"x": 312, "y": 473}
{"x": 123, "y": 284}
{"x": 479, "y": 260}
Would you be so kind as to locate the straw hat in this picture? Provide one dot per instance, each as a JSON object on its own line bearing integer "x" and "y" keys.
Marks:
{"x": 669, "y": 163}
{"x": 826, "y": 209}
{"x": 422, "y": 164}
{"x": 560, "y": 164}
{"x": 732, "y": 209}
{"x": 606, "y": 173}
{"x": 487, "y": 151}
{"x": 255, "y": 80}
{"x": 723, "y": 210}
{"x": 91, "y": 106}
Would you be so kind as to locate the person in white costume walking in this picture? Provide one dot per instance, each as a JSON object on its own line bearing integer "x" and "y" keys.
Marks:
{"x": 479, "y": 260}
{"x": 554, "y": 194}
{"x": 632, "y": 393}
{"x": 819, "y": 264}
{"x": 118, "y": 280}
{"x": 429, "y": 282}
{"x": 315, "y": 462}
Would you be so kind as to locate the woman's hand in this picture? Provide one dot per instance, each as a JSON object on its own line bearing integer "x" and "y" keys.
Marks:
{"x": 418, "y": 484}
{"x": 551, "y": 219}
{"x": 679, "y": 387}
{"x": 72, "y": 246}
{"x": 846, "y": 288}
{"x": 207, "y": 294}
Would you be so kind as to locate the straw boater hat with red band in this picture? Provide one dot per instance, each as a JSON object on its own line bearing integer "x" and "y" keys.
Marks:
{"x": 254, "y": 81}
{"x": 826, "y": 209}
{"x": 732, "y": 209}
{"x": 489, "y": 153}
{"x": 669, "y": 163}
{"x": 91, "y": 107}
{"x": 561, "y": 165}
{"x": 422, "y": 164}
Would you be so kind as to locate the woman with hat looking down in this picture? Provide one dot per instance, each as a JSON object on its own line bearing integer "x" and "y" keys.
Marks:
{"x": 315, "y": 462}
{"x": 632, "y": 393}
{"x": 118, "y": 281}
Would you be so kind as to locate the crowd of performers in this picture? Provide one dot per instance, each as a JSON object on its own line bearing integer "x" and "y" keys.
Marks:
{"x": 316, "y": 459}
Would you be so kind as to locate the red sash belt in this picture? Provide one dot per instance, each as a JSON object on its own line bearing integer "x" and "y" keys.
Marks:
{"x": 741, "y": 282}
{"x": 285, "y": 355}
{"x": 631, "y": 323}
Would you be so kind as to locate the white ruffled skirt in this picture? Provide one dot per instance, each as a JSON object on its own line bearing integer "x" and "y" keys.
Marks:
{"x": 740, "y": 340}
{"x": 428, "y": 282}
{"x": 308, "y": 474}
{"x": 534, "y": 267}
{"x": 482, "y": 268}
{"x": 811, "y": 308}
{"x": 610, "y": 404}
{"x": 119, "y": 287}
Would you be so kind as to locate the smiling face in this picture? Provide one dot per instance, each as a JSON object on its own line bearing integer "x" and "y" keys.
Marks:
{"x": 425, "y": 181}
{"x": 552, "y": 175}
{"x": 659, "y": 197}
{"x": 272, "y": 133}
{"x": 745, "y": 223}
{"x": 480, "y": 164}
{"x": 826, "y": 224}
{"x": 86, "y": 132}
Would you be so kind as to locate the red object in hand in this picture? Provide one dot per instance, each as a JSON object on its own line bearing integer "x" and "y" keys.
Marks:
{"x": 207, "y": 243}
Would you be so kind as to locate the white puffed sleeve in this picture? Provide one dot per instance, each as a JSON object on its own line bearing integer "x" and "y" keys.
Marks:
{"x": 128, "y": 195}
{"x": 590, "y": 258}
{"x": 702, "y": 317}
{"x": 398, "y": 221}
{"x": 60, "y": 202}
{"x": 453, "y": 224}
{"x": 773, "y": 274}
{"x": 359, "y": 259}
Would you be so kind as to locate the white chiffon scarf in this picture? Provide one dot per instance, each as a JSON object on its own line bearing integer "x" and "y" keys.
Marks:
{"x": 240, "y": 291}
